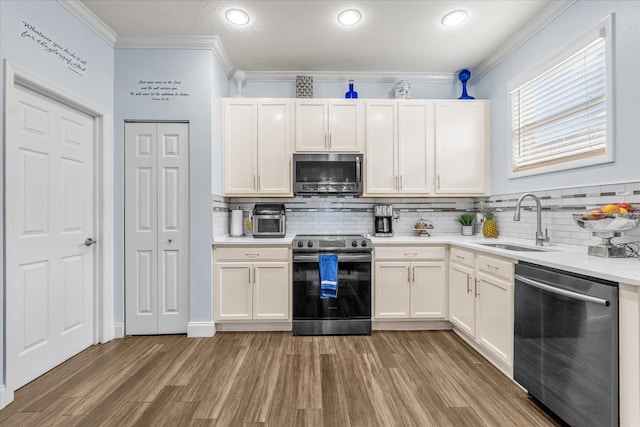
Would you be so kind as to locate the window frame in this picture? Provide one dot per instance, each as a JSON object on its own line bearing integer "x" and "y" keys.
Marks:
{"x": 603, "y": 29}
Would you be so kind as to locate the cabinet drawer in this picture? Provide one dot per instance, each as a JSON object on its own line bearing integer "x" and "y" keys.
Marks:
{"x": 463, "y": 257}
{"x": 251, "y": 254}
{"x": 499, "y": 267}
{"x": 409, "y": 253}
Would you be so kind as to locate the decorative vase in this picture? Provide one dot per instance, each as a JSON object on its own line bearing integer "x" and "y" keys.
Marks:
{"x": 464, "y": 77}
{"x": 402, "y": 89}
{"x": 352, "y": 93}
{"x": 467, "y": 230}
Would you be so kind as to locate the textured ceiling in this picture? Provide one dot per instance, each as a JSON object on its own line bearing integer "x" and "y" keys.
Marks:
{"x": 393, "y": 36}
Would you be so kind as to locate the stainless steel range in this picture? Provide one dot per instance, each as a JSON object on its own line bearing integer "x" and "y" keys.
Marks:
{"x": 350, "y": 312}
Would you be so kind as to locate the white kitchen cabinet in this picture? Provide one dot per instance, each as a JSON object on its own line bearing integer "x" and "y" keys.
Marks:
{"x": 257, "y": 147}
{"x": 481, "y": 301}
{"x": 462, "y": 304}
{"x": 329, "y": 125}
{"x": 251, "y": 283}
{"x": 462, "y": 147}
{"x": 399, "y": 146}
{"x": 494, "y": 316}
{"x": 413, "y": 289}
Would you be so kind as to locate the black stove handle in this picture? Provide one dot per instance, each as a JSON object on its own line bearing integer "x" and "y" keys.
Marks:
{"x": 341, "y": 257}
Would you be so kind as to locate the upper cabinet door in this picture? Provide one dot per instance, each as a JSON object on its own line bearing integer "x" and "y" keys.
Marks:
{"x": 415, "y": 146}
{"x": 381, "y": 146}
{"x": 274, "y": 146}
{"x": 462, "y": 130}
{"x": 346, "y": 125}
{"x": 240, "y": 174}
{"x": 329, "y": 125}
{"x": 311, "y": 125}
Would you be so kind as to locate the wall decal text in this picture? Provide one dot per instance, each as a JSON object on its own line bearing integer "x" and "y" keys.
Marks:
{"x": 160, "y": 90}
{"x": 74, "y": 62}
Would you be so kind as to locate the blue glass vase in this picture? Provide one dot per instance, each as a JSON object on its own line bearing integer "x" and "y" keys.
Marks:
{"x": 352, "y": 93}
{"x": 464, "y": 77}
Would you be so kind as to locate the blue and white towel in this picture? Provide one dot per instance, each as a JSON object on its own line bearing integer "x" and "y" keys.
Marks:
{"x": 328, "y": 265}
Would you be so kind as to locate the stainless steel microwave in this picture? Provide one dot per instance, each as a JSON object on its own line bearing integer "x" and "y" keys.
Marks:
{"x": 269, "y": 220}
{"x": 327, "y": 173}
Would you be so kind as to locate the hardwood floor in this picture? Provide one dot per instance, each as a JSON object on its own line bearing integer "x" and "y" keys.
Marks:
{"x": 418, "y": 378}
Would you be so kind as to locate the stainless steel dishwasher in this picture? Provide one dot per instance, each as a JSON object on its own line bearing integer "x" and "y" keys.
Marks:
{"x": 566, "y": 343}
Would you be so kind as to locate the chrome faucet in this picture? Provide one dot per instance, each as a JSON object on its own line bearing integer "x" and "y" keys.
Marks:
{"x": 540, "y": 237}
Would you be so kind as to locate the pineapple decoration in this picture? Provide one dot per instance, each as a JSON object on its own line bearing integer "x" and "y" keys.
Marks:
{"x": 489, "y": 227}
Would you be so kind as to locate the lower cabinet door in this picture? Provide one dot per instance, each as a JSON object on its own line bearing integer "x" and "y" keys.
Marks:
{"x": 232, "y": 295}
{"x": 428, "y": 290}
{"x": 271, "y": 291}
{"x": 392, "y": 290}
{"x": 494, "y": 327}
{"x": 462, "y": 304}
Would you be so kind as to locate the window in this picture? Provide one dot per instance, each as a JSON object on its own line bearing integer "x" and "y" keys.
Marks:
{"x": 561, "y": 114}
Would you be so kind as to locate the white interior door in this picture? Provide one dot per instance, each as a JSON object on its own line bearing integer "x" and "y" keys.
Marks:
{"x": 156, "y": 228}
{"x": 50, "y": 214}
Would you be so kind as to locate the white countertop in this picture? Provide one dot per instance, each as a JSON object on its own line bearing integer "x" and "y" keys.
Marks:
{"x": 564, "y": 257}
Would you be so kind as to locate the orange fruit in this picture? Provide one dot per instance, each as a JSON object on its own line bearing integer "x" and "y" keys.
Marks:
{"x": 610, "y": 209}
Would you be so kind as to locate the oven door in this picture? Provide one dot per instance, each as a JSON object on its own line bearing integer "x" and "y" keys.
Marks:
{"x": 354, "y": 289}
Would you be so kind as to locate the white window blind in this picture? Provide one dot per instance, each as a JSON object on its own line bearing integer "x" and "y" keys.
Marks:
{"x": 561, "y": 115}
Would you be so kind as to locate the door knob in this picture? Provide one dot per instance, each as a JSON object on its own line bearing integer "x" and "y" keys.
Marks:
{"x": 89, "y": 241}
{"x": 170, "y": 240}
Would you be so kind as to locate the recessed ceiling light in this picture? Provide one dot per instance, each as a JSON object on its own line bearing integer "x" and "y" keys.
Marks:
{"x": 349, "y": 17}
{"x": 237, "y": 16}
{"x": 454, "y": 18}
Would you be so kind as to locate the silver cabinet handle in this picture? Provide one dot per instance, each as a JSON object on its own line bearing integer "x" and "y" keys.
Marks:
{"x": 491, "y": 266}
{"x": 408, "y": 274}
{"x": 400, "y": 183}
{"x": 89, "y": 242}
{"x": 250, "y": 271}
{"x": 563, "y": 292}
{"x": 252, "y": 255}
{"x": 255, "y": 182}
{"x": 413, "y": 275}
{"x": 468, "y": 280}
{"x": 410, "y": 254}
{"x": 459, "y": 257}
{"x": 438, "y": 182}
{"x": 477, "y": 293}
{"x": 330, "y": 142}
{"x": 258, "y": 187}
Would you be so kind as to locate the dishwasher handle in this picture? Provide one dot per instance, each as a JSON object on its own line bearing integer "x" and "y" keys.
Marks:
{"x": 564, "y": 292}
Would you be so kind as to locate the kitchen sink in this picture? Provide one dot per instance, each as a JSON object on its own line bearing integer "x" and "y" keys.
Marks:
{"x": 511, "y": 247}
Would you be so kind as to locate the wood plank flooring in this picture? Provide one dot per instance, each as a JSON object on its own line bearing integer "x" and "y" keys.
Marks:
{"x": 417, "y": 378}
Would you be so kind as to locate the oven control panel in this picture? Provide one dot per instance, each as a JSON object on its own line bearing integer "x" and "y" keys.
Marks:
{"x": 331, "y": 243}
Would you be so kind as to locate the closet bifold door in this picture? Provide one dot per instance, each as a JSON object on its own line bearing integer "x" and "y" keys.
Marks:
{"x": 156, "y": 228}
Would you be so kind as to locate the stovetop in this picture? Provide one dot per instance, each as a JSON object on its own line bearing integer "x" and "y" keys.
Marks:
{"x": 331, "y": 242}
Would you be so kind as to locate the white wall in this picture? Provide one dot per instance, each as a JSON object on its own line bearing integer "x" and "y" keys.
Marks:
{"x": 95, "y": 85}
{"x": 200, "y": 76}
{"x": 576, "y": 20}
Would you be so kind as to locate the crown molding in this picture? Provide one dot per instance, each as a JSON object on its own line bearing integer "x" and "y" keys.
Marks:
{"x": 360, "y": 76}
{"x": 544, "y": 18}
{"x": 82, "y": 12}
{"x": 179, "y": 42}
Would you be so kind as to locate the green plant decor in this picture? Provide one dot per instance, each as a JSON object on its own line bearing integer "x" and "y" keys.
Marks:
{"x": 466, "y": 219}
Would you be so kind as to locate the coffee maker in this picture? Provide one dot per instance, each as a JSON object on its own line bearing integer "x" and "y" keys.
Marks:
{"x": 383, "y": 219}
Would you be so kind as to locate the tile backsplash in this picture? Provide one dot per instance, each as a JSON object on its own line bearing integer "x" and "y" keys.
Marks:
{"x": 345, "y": 215}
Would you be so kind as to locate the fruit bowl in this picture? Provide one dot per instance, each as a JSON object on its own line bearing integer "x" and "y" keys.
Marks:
{"x": 607, "y": 223}
{"x": 607, "y": 226}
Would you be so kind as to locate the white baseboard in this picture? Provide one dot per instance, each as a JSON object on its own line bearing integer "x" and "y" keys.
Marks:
{"x": 253, "y": 326}
{"x": 201, "y": 329}
{"x": 5, "y": 397}
{"x": 410, "y": 325}
{"x": 118, "y": 330}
